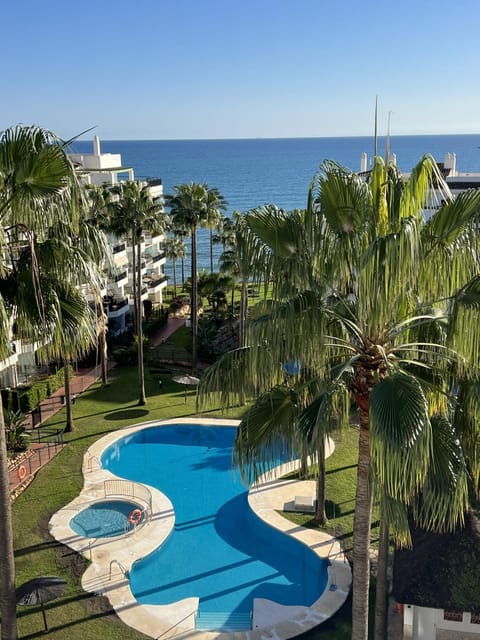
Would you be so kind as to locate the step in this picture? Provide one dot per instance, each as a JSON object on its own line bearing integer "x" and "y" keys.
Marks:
{"x": 223, "y": 621}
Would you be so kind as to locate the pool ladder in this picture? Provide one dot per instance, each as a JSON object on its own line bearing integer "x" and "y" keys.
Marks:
{"x": 120, "y": 566}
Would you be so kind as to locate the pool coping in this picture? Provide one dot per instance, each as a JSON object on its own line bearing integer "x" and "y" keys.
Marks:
{"x": 111, "y": 558}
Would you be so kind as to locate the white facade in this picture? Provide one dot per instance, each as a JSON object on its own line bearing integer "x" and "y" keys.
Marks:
{"x": 425, "y": 623}
{"x": 101, "y": 168}
{"x": 106, "y": 168}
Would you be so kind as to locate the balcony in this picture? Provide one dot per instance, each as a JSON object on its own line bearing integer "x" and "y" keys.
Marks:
{"x": 157, "y": 281}
{"x": 118, "y": 248}
{"x": 121, "y": 276}
{"x": 111, "y": 304}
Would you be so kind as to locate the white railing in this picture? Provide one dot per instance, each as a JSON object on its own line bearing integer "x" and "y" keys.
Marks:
{"x": 129, "y": 489}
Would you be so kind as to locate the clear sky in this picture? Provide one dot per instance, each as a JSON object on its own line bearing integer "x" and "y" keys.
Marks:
{"x": 163, "y": 69}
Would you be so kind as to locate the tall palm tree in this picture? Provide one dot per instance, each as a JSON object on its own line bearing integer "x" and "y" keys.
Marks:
{"x": 226, "y": 231}
{"x": 389, "y": 308}
{"x": 190, "y": 205}
{"x": 134, "y": 211}
{"x": 215, "y": 204}
{"x": 174, "y": 250}
{"x": 180, "y": 232}
{"x": 247, "y": 260}
{"x": 40, "y": 200}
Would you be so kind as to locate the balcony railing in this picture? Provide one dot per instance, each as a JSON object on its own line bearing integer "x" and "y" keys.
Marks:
{"x": 120, "y": 276}
{"x": 154, "y": 283}
{"x": 118, "y": 248}
{"x": 114, "y": 304}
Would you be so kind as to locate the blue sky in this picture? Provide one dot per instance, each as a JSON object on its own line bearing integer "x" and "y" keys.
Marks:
{"x": 167, "y": 69}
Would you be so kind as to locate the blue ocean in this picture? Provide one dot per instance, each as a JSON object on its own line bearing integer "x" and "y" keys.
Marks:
{"x": 253, "y": 172}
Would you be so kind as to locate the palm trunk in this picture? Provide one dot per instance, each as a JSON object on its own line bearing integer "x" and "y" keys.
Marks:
{"x": 7, "y": 561}
{"x": 174, "y": 264}
{"x": 243, "y": 314}
{"x": 134, "y": 283}
{"x": 193, "y": 300}
{"x": 320, "y": 513}
{"x": 141, "y": 371}
{"x": 382, "y": 580}
{"x": 103, "y": 351}
{"x": 68, "y": 397}
{"x": 211, "y": 250}
{"x": 361, "y": 535}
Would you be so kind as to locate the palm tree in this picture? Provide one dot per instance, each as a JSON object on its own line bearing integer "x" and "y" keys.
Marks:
{"x": 245, "y": 261}
{"x": 384, "y": 302}
{"x": 190, "y": 205}
{"x": 226, "y": 231}
{"x": 134, "y": 211}
{"x": 180, "y": 232}
{"x": 215, "y": 204}
{"x": 174, "y": 250}
{"x": 40, "y": 200}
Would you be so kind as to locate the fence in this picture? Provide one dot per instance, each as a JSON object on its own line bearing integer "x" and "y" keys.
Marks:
{"x": 129, "y": 489}
{"x": 45, "y": 444}
{"x": 49, "y": 407}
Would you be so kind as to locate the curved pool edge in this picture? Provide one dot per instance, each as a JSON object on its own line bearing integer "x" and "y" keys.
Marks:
{"x": 111, "y": 558}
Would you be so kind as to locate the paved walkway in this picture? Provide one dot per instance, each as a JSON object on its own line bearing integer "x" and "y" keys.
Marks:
{"x": 165, "y": 332}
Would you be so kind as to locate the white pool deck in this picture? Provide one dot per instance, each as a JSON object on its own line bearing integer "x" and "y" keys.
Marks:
{"x": 111, "y": 558}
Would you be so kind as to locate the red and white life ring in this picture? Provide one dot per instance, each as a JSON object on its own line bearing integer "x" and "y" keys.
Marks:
{"x": 135, "y": 516}
{"x": 22, "y": 472}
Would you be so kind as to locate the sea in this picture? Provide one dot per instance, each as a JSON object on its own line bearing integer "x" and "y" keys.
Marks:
{"x": 253, "y": 172}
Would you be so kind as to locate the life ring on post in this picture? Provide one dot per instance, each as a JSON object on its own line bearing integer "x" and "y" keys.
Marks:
{"x": 135, "y": 516}
{"x": 22, "y": 472}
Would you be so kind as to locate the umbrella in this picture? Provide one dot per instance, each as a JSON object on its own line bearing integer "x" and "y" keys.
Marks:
{"x": 40, "y": 590}
{"x": 186, "y": 380}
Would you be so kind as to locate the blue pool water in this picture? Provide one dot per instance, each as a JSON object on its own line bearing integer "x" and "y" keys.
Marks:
{"x": 219, "y": 550}
{"x": 104, "y": 519}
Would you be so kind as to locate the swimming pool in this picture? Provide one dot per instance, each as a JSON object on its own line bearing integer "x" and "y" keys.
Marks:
{"x": 219, "y": 551}
{"x": 107, "y": 519}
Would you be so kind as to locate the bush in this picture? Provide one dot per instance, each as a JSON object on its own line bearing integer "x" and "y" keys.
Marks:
{"x": 15, "y": 432}
{"x": 41, "y": 390}
{"x": 125, "y": 356}
{"x": 151, "y": 327}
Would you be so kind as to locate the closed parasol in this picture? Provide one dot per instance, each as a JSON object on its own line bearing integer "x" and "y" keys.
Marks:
{"x": 186, "y": 380}
{"x": 40, "y": 590}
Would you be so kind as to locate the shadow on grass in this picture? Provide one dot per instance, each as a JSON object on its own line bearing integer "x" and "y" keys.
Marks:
{"x": 127, "y": 414}
{"x": 338, "y": 469}
{"x": 48, "y": 544}
{"x": 53, "y": 628}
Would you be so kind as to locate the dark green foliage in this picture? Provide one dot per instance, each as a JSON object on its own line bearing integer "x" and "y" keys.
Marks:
{"x": 40, "y": 390}
{"x": 125, "y": 356}
{"x": 15, "y": 432}
{"x": 441, "y": 570}
{"x": 155, "y": 323}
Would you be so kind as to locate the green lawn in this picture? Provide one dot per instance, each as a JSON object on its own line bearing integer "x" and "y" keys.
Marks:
{"x": 97, "y": 412}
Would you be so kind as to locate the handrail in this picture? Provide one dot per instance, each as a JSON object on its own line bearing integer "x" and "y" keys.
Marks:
{"x": 120, "y": 566}
{"x": 128, "y": 488}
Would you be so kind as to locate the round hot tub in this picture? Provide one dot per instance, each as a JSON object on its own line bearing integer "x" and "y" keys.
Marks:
{"x": 107, "y": 519}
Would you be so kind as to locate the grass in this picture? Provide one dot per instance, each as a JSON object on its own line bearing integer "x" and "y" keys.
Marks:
{"x": 97, "y": 412}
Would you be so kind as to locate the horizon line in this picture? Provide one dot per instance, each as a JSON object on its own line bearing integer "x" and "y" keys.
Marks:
{"x": 231, "y": 139}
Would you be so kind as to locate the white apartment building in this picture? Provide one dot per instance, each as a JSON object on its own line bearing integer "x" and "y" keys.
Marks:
{"x": 98, "y": 169}
{"x": 103, "y": 168}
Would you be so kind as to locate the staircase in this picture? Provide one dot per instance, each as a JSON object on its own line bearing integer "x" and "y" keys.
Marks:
{"x": 223, "y": 621}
